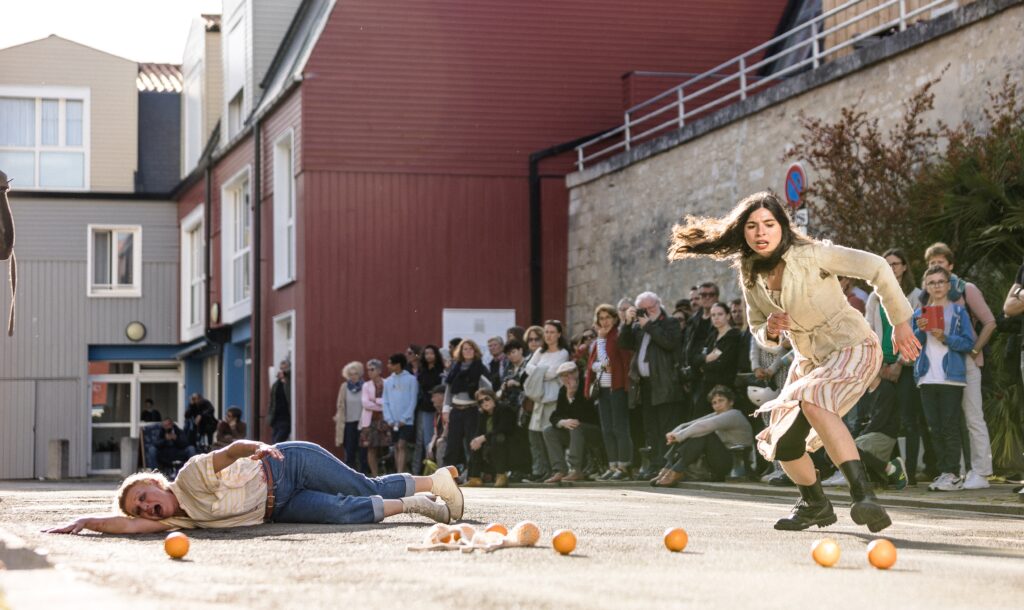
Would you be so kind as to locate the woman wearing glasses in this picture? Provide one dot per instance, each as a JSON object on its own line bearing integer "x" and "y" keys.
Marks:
{"x": 791, "y": 288}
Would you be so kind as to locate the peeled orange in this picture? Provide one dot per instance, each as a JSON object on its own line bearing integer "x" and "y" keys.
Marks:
{"x": 526, "y": 533}
{"x": 498, "y": 528}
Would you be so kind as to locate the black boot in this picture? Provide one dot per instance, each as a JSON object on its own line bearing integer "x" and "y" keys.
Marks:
{"x": 865, "y": 509}
{"x": 813, "y": 508}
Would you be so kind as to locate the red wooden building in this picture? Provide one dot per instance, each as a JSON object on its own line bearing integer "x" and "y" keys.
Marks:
{"x": 410, "y": 127}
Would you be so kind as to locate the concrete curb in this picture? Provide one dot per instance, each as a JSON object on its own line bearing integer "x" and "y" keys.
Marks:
{"x": 755, "y": 492}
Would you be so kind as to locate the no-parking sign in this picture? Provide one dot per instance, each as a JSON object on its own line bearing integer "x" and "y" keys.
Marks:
{"x": 796, "y": 183}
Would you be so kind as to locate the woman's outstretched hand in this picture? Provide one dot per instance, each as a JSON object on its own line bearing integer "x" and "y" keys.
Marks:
{"x": 905, "y": 342}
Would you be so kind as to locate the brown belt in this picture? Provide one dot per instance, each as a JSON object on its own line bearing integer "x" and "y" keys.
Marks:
{"x": 267, "y": 514}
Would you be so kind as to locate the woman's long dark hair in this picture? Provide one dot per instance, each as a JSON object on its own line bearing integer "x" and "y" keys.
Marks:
{"x": 563, "y": 343}
{"x": 722, "y": 238}
{"x": 438, "y": 360}
{"x": 907, "y": 281}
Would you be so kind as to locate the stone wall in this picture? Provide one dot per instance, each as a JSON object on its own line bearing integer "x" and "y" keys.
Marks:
{"x": 621, "y": 210}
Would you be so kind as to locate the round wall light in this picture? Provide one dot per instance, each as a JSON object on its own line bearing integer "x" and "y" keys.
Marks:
{"x": 135, "y": 331}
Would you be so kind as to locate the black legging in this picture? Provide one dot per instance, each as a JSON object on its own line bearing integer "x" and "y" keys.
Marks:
{"x": 462, "y": 425}
{"x": 793, "y": 443}
{"x": 718, "y": 458}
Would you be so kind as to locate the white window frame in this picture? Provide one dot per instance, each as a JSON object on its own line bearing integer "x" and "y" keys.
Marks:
{"x": 234, "y": 118}
{"x": 189, "y": 225}
{"x": 284, "y": 348}
{"x": 284, "y": 202}
{"x": 39, "y": 93}
{"x": 235, "y": 308}
{"x": 133, "y": 291}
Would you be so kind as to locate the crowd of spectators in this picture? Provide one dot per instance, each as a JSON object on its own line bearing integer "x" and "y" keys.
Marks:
{"x": 659, "y": 394}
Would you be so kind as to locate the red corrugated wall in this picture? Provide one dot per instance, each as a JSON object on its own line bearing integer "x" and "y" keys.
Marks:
{"x": 418, "y": 119}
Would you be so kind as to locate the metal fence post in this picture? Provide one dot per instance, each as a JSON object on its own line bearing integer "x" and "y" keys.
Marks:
{"x": 815, "y": 53}
{"x": 682, "y": 111}
{"x": 903, "y": 15}
{"x": 579, "y": 158}
{"x": 627, "y": 131}
{"x": 743, "y": 77}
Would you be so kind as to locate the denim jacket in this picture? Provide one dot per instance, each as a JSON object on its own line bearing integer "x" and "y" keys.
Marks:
{"x": 959, "y": 340}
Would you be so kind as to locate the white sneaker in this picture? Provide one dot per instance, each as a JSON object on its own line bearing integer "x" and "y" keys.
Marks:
{"x": 443, "y": 485}
{"x": 423, "y": 505}
{"x": 946, "y": 481}
{"x": 974, "y": 480}
{"x": 836, "y": 480}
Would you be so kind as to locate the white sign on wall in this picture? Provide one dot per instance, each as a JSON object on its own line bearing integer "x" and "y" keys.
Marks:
{"x": 476, "y": 324}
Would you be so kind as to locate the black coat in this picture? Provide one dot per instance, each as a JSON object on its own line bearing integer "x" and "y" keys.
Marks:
{"x": 723, "y": 370}
{"x": 503, "y": 424}
{"x": 579, "y": 408}
{"x": 663, "y": 355}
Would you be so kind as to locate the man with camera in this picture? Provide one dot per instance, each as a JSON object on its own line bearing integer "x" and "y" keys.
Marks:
{"x": 654, "y": 337}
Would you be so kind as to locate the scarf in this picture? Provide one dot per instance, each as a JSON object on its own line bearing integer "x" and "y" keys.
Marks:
{"x": 354, "y": 386}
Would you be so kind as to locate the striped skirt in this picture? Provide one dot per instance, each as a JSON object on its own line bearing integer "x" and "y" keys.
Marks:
{"x": 836, "y": 385}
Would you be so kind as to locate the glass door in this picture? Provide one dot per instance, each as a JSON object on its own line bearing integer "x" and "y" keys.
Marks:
{"x": 111, "y": 409}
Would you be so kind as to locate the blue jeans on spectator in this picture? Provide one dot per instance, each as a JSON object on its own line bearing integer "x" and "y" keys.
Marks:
{"x": 313, "y": 486}
{"x": 351, "y": 444}
{"x": 424, "y": 433}
{"x": 613, "y": 406}
{"x": 943, "y": 411}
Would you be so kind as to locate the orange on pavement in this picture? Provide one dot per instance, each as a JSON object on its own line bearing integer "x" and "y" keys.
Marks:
{"x": 825, "y": 552}
{"x": 526, "y": 533}
{"x": 497, "y": 527}
{"x": 676, "y": 539}
{"x": 882, "y": 554}
{"x": 564, "y": 541}
{"x": 176, "y": 545}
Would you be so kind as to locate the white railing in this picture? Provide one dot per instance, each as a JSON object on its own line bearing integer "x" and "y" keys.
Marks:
{"x": 739, "y": 78}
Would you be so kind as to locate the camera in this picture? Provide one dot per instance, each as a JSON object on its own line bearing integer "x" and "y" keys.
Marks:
{"x": 641, "y": 313}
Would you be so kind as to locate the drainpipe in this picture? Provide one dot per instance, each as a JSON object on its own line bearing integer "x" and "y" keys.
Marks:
{"x": 257, "y": 287}
{"x": 536, "y": 264}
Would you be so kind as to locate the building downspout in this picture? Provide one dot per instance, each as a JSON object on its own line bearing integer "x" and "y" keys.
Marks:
{"x": 255, "y": 318}
{"x": 536, "y": 264}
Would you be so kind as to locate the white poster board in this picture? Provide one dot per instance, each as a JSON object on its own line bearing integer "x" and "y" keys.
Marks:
{"x": 476, "y": 324}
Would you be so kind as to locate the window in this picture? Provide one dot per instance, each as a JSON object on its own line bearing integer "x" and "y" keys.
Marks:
{"x": 193, "y": 274}
{"x": 234, "y": 76}
{"x": 284, "y": 212}
{"x": 236, "y": 246}
{"x": 115, "y": 261}
{"x": 43, "y": 137}
{"x": 192, "y": 102}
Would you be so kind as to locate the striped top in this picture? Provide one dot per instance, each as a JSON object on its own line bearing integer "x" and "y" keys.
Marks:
{"x": 602, "y": 364}
{"x": 233, "y": 497}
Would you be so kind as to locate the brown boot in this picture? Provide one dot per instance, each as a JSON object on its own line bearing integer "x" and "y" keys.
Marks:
{"x": 575, "y": 475}
{"x": 670, "y": 479}
{"x": 501, "y": 480}
{"x": 474, "y": 482}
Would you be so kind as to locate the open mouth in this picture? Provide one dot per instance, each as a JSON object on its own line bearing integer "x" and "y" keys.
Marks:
{"x": 760, "y": 245}
{"x": 158, "y": 510}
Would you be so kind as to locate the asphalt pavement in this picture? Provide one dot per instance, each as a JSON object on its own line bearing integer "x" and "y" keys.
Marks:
{"x": 957, "y": 556}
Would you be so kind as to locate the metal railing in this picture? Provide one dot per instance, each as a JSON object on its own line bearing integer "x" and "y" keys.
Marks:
{"x": 738, "y": 78}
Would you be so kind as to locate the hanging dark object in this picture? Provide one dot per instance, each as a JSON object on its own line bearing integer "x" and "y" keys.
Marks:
{"x": 7, "y": 244}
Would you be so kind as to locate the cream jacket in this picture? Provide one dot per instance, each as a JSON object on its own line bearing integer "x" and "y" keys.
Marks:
{"x": 821, "y": 320}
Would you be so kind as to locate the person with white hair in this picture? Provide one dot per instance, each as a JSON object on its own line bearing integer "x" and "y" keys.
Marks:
{"x": 656, "y": 341}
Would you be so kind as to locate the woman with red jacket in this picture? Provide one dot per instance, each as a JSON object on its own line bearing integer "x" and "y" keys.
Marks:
{"x": 607, "y": 372}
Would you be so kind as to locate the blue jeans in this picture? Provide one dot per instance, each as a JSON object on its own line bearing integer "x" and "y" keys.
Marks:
{"x": 313, "y": 486}
{"x": 613, "y": 405}
{"x": 424, "y": 434}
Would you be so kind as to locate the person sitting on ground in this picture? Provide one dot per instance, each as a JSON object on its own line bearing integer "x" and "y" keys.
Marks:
{"x": 170, "y": 446}
{"x": 693, "y": 440}
{"x": 491, "y": 448}
{"x": 249, "y": 482}
{"x": 574, "y": 422}
{"x": 229, "y": 429}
